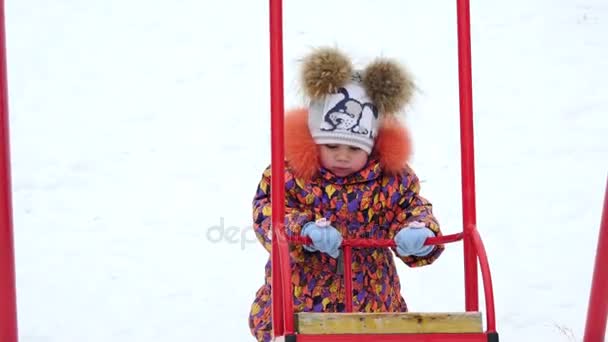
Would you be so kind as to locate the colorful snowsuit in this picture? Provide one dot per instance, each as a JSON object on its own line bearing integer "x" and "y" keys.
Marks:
{"x": 368, "y": 204}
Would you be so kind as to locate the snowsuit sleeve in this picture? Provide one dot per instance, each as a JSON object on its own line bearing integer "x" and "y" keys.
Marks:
{"x": 295, "y": 215}
{"x": 412, "y": 207}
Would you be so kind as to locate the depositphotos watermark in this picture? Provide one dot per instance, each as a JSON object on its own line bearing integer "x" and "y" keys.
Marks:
{"x": 235, "y": 235}
{"x": 232, "y": 235}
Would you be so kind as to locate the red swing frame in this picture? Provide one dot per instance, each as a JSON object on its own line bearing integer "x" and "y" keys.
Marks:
{"x": 474, "y": 251}
{"x": 283, "y": 318}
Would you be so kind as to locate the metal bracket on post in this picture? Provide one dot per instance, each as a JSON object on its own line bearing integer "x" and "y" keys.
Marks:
{"x": 493, "y": 337}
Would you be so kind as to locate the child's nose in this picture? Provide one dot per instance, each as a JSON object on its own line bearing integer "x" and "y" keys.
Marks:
{"x": 343, "y": 156}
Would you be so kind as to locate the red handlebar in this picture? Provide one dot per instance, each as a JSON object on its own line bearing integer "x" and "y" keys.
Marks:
{"x": 368, "y": 243}
{"x": 347, "y": 245}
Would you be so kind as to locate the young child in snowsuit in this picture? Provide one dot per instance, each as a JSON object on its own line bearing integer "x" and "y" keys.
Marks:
{"x": 346, "y": 162}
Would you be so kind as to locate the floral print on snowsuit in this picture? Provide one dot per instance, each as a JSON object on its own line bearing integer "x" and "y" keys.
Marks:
{"x": 367, "y": 204}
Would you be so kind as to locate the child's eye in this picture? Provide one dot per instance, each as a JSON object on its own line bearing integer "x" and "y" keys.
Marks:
{"x": 331, "y": 147}
{"x": 353, "y": 148}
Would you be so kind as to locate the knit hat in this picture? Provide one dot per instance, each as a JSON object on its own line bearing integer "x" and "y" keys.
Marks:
{"x": 346, "y": 105}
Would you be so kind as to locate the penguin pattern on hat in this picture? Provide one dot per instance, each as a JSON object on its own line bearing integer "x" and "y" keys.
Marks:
{"x": 347, "y": 115}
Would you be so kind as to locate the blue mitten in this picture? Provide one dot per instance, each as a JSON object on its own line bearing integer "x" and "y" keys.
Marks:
{"x": 324, "y": 239}
{"x": 410, "y": 241}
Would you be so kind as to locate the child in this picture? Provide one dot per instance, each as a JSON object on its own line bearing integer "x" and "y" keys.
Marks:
{"x": 346, "y": 166}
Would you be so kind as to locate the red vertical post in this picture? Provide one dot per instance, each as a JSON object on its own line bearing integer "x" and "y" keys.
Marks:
{"x": 280, "y": 305}
{"x": 8, "y": 301}
{"x": 597, "y": 314}
{"x": 348, "y": 277}
{"x": 467, "y": 153}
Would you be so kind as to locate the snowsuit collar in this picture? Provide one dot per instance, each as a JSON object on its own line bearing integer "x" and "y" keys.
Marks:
{"x": 370, "y": 171}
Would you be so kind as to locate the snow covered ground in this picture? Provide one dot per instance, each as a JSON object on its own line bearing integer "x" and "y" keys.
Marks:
{"x": 140, "y": 130}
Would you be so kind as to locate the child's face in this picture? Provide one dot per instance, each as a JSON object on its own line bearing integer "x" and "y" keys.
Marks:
{"x": 342, "y": 160}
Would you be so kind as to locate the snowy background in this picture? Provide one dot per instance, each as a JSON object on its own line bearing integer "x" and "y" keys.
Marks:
{"x": 140, "y": 130}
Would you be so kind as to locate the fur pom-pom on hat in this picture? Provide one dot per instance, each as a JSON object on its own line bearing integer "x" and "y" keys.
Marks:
{"x": 388, "y": 84}
{"x": 325, "y": 71}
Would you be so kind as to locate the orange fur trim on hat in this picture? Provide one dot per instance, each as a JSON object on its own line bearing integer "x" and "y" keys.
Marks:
{"x": 392, "y": 146}
{"x": 301, "y": 152}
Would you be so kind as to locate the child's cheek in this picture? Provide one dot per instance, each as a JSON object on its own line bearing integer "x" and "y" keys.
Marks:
{"x": 323, "y": 158}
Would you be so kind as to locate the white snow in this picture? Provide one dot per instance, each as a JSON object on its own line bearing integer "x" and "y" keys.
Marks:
{"x": 140, "y": 130}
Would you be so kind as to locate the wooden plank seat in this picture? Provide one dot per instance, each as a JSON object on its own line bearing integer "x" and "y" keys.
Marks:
{"x": 388, "y": 323}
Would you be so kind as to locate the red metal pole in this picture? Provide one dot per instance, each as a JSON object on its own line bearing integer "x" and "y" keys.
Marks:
{"x": 282, "y": 302}
{"x": 8, "y": 301}
{"x": 597, "y": 314}
{"x": 467, "y": 154}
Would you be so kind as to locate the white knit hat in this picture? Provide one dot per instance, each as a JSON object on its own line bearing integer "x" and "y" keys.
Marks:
{"x": 346, "y": 117}
{"x": 346, "y": 105}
